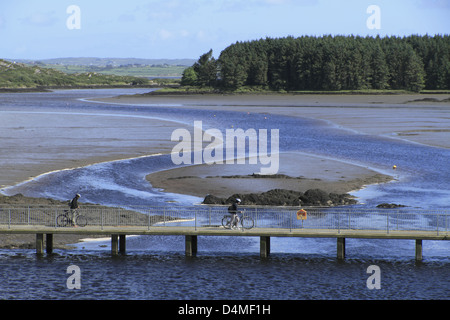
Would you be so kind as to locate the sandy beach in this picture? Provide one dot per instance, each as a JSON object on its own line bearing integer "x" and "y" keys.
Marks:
{"x": 40, "y": 143}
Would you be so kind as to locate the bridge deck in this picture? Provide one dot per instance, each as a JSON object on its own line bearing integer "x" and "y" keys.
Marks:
{"x": 220, "y": 231}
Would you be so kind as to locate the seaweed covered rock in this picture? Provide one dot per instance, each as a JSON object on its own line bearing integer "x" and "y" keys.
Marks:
{"x": 281, "y": 197}
{"x": 390, "y": 205}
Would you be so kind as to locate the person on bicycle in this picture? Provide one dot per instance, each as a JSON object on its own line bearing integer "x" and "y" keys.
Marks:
{"x": 73, "y": 208}
{"x": 234, "y": 211}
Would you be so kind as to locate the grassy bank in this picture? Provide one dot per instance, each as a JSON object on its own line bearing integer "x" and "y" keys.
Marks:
{"x": 178, "y": 90}
{"x": 19, "y": 76}
{"x": 127, "y": 70}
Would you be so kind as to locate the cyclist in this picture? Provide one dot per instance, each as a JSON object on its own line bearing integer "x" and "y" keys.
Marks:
{"x": 234, "y": 211}
{"x": 73, "y": 208}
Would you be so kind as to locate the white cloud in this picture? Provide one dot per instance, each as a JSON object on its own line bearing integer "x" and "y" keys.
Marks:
{"x": 165, "y": 34}
{"x": 184, "y": 33}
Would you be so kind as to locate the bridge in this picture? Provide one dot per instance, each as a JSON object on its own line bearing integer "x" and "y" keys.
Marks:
{"x": 192, "y": 222}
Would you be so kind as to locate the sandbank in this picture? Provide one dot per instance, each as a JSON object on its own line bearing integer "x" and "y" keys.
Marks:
{"x": 36, "y": 143}
{"x": 421, "y": 118}
{"x": 298, "y": 172}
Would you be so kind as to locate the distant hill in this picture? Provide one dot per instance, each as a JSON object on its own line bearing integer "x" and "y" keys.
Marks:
{"x": 15, "y": 75}
{"x": 145, "y": 68}
{"x": 103, "y": 62}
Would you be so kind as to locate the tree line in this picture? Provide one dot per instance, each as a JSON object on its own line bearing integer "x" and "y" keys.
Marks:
{"x": 328, "y": 63}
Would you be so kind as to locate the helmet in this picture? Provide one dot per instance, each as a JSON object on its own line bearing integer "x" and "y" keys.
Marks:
{"x": 78, "y": 195}
{"x": 238, "y": 200}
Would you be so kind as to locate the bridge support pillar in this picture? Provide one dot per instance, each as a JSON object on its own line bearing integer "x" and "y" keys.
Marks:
{"x": 191, "y": 245}
{"x": 264, "y": 246}
{"x": 341, "y": 248}
{"x": 114, "y": 244}
{"x": 419, "y": 256}
{"x": 49, "y": 243}
{"x": 39, "y": 243}
{"x": 122, "y": 243}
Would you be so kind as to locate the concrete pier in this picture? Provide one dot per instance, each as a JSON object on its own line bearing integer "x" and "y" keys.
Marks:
{"x": 419, "y": 256}
{"x": 39, "y": 243}
{"x": 114, "y": 244}
{"x": 341, "y": 248}
{"x": 191, "y": 245}
{"x": 122, "y": 243}
{"x": 264, "y": 246}
{"x": 49, "y": 243}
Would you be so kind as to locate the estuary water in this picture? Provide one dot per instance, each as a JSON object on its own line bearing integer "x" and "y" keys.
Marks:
{"x": 226, "y": 267}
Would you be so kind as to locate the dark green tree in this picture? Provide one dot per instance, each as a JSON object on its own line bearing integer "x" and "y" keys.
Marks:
{"x": 189, "y": 77}
{"x": 206, "y": 69}
{"x": 329, "y": 63}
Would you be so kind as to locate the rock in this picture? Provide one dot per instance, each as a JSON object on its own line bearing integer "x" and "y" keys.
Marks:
{"x": 281, "y": 197}
{"x": 390, "y": 205}
{"x": 210, "y": 199}
{"x": 316, "y": 197}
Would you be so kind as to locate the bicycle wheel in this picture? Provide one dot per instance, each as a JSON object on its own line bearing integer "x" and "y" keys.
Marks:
{"x": 62, "y": 221}
{"x": 247, "y": 222}
{"x": 226, "y": 222}
{"x": 81, "y": 221}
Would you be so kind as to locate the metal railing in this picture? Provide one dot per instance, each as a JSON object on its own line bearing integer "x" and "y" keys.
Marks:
{"x": 211, "y": 216}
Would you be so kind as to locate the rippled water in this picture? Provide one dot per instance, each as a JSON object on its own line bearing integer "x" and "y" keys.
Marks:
{"x": 216, "y": 275}
{"x": 226, "y": 267}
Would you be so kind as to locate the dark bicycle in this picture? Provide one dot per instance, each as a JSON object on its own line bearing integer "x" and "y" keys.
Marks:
{"x": 63, "y": 220}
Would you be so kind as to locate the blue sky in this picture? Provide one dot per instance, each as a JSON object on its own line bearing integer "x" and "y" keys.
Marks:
{"x": 31, "y": 29}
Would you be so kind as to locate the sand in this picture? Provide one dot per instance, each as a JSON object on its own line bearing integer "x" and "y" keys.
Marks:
{"x": 37, "y": 143}
{"x": 414, "y": 117}
{"x": 298, "y": 171}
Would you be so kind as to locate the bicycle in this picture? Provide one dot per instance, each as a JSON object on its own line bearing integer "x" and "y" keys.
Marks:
{"x": 246, "y": 222}
{"x": 63, "y": 220}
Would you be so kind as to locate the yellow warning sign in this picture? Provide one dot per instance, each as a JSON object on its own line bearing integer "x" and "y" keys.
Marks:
{"x": 301, "y": 214}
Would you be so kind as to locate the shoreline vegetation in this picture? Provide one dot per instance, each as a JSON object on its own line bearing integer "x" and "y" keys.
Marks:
{"x": 251, "y": 91}
{"x": 303, "y": 65}
{"x": 18, "y": 77}
{"x": 327, "y": 63}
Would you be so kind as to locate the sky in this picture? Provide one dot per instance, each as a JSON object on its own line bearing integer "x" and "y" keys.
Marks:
{"x": 178, "y": 29}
